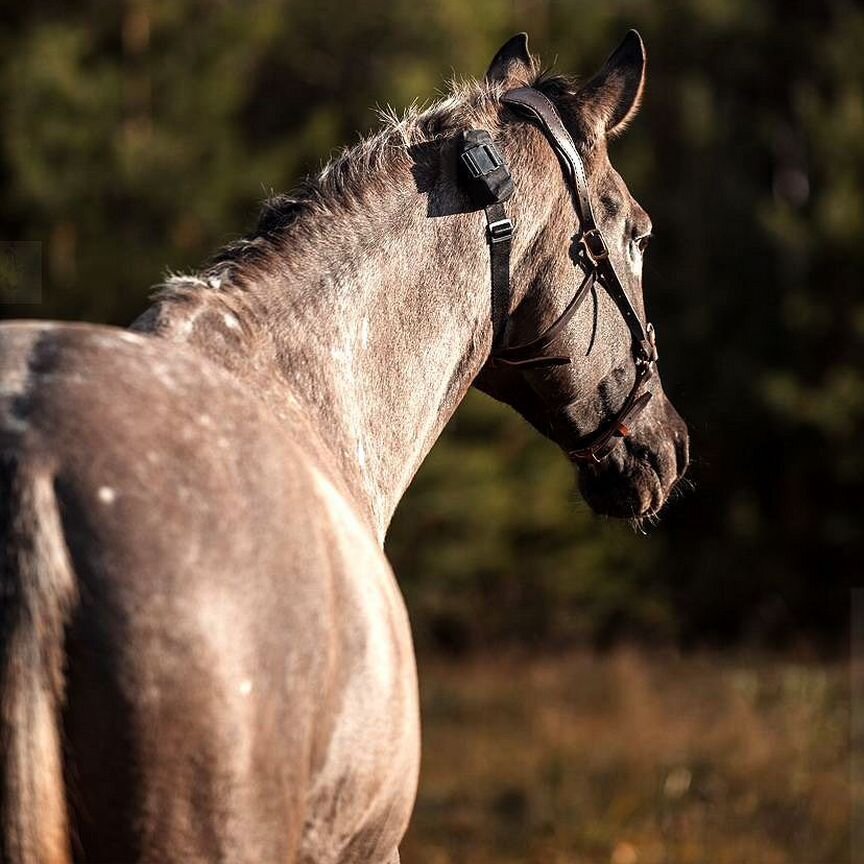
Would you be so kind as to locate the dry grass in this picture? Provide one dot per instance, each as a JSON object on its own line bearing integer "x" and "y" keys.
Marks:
{"x": 631, "y": 759}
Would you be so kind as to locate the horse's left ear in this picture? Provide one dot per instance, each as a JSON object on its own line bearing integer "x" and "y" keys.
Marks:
{"x": 613, "y": 95}
{"x": 512, "y": 57}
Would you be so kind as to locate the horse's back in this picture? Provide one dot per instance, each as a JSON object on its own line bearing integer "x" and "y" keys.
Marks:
{"x": 239, "y": 660}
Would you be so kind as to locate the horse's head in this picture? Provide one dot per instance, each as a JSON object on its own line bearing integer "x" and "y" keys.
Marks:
{"x": 605, "y": 407}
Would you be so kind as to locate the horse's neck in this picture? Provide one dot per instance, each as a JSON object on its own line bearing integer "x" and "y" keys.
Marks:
{"x": 373, "y": 330}
{"x": 386, "y": 338}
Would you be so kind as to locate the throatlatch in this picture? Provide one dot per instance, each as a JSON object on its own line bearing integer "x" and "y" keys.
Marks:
{"x": 490, "y": 184}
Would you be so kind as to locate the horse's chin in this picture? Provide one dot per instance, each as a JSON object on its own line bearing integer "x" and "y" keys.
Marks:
{"x": 625, "y": 491}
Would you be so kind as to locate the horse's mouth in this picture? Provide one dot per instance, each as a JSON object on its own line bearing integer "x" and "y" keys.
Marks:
{"x": 630, "y": 491}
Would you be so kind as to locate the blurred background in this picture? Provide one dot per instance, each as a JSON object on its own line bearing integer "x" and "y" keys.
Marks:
{"x": 590, "y": 694}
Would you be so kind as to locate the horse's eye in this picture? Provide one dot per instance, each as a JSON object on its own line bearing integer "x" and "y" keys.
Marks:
{"x": 643, "y": 241}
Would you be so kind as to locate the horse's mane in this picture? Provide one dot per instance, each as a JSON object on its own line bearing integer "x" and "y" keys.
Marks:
{"x": 357, "y": 172}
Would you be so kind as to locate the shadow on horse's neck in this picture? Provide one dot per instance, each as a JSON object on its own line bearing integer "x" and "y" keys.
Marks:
{"x": 363, "y": 322}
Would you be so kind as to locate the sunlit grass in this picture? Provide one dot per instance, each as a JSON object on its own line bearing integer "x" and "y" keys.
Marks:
{"x": 633, "y": 759}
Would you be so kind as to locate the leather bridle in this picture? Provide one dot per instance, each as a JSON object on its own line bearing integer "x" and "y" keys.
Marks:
{"x": 491, "y": 184}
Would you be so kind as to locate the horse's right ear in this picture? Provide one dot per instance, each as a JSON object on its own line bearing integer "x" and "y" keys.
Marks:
{"x": 512, "y": 58}
{"x": 613, "y": 95}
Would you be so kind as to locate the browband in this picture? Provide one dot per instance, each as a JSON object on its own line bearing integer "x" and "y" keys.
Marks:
{"x": 490, "y": 184}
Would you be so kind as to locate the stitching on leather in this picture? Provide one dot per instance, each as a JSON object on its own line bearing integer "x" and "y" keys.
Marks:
{"x": 564, "y": 143}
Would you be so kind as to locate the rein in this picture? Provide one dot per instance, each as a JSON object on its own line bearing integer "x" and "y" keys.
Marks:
{"x": 490, "y": 184}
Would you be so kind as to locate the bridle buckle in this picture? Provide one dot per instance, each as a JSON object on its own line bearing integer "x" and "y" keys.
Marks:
{"x": 499, "y": 231}
{"x": 594, "y": 245}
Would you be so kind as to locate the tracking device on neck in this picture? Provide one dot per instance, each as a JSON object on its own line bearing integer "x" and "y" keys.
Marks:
{"x": 490, "y": 184}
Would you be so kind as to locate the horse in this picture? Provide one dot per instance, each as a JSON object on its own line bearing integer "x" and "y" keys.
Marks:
{"x": 204, "y": 653}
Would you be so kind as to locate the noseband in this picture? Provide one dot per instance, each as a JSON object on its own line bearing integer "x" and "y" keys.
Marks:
{"x": 491, "y": 184}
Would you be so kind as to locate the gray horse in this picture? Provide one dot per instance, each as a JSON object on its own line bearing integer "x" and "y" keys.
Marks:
{"x": 204, "y": 652}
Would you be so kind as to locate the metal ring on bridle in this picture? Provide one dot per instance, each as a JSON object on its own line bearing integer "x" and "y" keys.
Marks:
{"x": 594, "y": 245}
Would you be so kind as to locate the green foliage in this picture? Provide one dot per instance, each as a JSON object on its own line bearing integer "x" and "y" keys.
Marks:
{"x": 140, "y": 136}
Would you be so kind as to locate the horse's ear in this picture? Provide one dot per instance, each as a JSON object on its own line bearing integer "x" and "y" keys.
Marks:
{"x": 613, "y": 95}
{"x": 512, "y": 57}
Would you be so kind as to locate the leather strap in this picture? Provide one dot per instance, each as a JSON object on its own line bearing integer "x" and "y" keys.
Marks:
{"x": 598, "y": 445}
{"x": 541, "y": 109}
{"x": 491, "y": 184}
{"x": 515, "y": 355}
{"x": 597, "y": 263}
{"x": 499, "y": 236}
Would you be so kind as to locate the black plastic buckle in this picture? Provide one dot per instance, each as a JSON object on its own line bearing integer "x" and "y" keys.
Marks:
{"x": 482, "y": 159}
{"x": 499, "y": 231}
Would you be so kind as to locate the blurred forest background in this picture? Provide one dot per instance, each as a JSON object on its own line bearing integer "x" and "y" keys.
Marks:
{"x": 141, "y": 136}
{"x": 137, "y": 137}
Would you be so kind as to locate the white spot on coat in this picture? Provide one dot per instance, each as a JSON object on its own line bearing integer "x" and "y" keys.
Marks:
{"x": 231, "y": 321}
{"x": 361, "y": 456}
{"x": 106, "y": 495}
{"x": 245, "y": 687}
